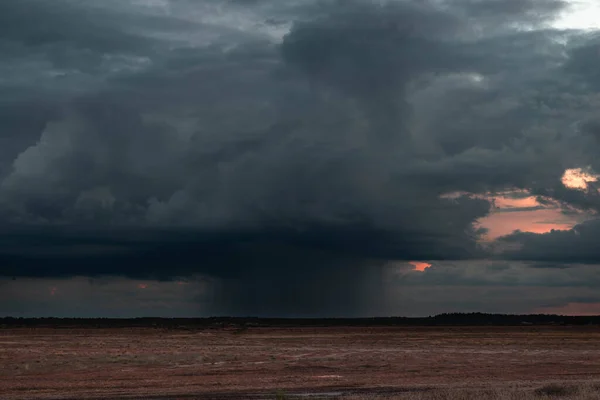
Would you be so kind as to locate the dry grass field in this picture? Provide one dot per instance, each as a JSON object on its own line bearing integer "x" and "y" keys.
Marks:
{"x": 281, "y": 363}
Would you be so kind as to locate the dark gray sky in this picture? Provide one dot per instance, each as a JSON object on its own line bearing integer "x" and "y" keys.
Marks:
{"x": 298, "y": 157}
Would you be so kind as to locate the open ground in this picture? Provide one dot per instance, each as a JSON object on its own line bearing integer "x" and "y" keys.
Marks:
{"x": 337, "y": 362}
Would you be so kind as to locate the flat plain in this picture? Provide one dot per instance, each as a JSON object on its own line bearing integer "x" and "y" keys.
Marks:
{"x": 270, "y": 363}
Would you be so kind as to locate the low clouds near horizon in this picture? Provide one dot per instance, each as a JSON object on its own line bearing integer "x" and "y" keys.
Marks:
{"x": 286, "y": 153}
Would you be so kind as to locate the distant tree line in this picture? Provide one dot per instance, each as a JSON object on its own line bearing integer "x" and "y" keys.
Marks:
{"x": 448, "y": 319}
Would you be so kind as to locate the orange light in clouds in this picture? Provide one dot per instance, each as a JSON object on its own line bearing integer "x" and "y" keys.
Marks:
{"x": 506, "y": 218}
{"x": 420, "y": 266}
{"x": 53, "y": 291}
{"x": 507, "y": 202}
{"x": 538, "y": 221}
{"x": 142, "y": 286}
{"x": 577, "y": 178}
{"x": 523, "y": 212}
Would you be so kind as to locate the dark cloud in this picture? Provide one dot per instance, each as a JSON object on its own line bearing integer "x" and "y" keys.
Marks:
{"x": 577, "y": 245}
{"x": 226, "y": 253}
{"x": 310, "y": 271}
{"x": 281, "y": 148}
{"x": 583, "y": 57}
{"x": 36, "y": 23}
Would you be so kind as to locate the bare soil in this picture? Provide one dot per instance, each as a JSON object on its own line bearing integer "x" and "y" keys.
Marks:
{"x": 148, "y": 363}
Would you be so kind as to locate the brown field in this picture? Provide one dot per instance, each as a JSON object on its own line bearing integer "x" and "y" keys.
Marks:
{"x": 280, "y": 363}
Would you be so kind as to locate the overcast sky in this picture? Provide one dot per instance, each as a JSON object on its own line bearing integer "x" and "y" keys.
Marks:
{"x": 299, "y": 157}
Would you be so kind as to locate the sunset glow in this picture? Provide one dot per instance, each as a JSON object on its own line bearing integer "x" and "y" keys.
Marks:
{"x": 142, "y": 286}
{"x": 538, "y": 221}
{"x": 420, "y": 266}
{"x": 523, "y": 213}
{"x": 577, "y": 178}
{"x": 507, "y": 202}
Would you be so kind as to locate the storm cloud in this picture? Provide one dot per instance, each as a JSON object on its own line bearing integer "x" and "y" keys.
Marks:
{"x": 281, "y": 148}
{"x": 578, "y": 245}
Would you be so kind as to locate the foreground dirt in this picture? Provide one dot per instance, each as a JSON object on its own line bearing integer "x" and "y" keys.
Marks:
{"x": 151, "y": 363}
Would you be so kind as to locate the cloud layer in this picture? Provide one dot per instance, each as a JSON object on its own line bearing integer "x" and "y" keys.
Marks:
{"x": 283, "y": 143}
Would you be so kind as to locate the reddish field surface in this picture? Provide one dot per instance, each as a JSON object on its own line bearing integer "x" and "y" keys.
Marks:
{"x": 152, "y": 363}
